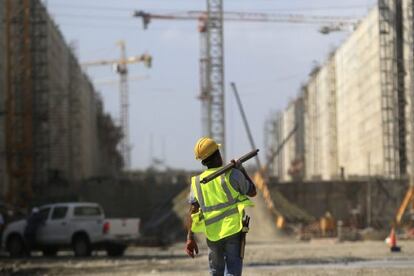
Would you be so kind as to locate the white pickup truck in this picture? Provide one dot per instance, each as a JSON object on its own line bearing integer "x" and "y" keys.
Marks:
{"x": 81, "y": 227}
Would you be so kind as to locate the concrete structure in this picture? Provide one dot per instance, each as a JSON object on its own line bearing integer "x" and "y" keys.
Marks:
{"x": 359, "y": 110}
{"x": 358, "y": 107}
{"x": 288, "y": 164}
{"x": 408, "y": 26}
{"x": 287, "y": 155}
{"x": 312, "y": 127}
{"x": 320, "y": 123}
{"x": 278, "y": 166}
{"x": 71, "y": 138}
{"x": 3, "y": 178}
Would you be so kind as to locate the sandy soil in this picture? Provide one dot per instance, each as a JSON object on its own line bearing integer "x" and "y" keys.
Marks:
{"x": 323, "y": 257}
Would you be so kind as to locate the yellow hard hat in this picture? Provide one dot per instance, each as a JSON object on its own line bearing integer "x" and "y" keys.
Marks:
{"x": 205, "y": 147}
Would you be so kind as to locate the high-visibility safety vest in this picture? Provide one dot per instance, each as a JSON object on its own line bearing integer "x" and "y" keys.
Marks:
{"x": 221, "y": 206}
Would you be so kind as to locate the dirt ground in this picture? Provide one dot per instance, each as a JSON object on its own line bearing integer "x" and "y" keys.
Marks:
{"x": 322, "y": 257}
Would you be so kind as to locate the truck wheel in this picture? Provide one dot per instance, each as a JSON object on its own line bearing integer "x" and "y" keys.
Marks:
{"x": 81, "y": 246}
{"x": 15, "y": 246}
{"x": 115, "y": 250}
{"x": 49, "y": 252}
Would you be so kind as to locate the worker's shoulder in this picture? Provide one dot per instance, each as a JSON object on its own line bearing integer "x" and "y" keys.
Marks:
{"x": 236, "y": 174}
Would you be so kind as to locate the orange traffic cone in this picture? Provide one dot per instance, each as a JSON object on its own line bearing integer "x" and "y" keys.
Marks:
{"x": 393, "y": 242}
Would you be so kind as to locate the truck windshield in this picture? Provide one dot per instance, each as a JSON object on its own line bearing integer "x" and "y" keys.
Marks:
{"x": 87, "y": 211}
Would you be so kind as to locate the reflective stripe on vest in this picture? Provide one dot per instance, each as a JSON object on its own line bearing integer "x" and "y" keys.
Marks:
{"x": 204, "y": 208}
{"x": 226, "y": 213}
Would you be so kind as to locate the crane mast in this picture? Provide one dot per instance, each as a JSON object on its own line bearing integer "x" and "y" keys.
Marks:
{"x": 121, "y": 68}
{"x": 215, "y": 73}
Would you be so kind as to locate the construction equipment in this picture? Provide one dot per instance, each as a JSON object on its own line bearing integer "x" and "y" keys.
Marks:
{"x": 229, "y": 166}
{"x": 408, "y": 198}
{"x": 211, "y": 52}
{"x": 328, "y": 23}
{"x": 120, "y": 66}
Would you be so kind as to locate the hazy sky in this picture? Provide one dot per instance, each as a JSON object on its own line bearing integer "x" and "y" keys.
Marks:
{"x": 268, "y": 61}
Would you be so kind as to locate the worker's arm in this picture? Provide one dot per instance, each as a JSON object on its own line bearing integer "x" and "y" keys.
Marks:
{"x": 191, "y": 247}
{"x": 251, "y": 188}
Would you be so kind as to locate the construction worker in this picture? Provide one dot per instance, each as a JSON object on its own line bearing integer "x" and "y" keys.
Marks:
{"x": 217, "y": 210}
{"x": 33, "y": 223}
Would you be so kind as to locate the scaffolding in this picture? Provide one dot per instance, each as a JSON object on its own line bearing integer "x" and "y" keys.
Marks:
{"x": 389, "y": 92}
{"x": 19, "y": 100}
{"x": 41, "y": 98}
{"x": 332, "y": 120}
{"x": 75, "y": 118}
{"x": 27, "y": 103}
{"x": 410, "y": 92}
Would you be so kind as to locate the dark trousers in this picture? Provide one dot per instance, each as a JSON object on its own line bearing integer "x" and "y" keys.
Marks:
{"x": 224, "y": 256}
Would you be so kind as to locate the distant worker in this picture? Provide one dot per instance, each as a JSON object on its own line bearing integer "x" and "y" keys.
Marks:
{"x": 34, "y": 221}
{"x": 217, "y": 210}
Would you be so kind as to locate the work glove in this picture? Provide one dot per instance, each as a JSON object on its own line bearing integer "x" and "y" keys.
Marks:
{"x": 238, "y": 165}
{"x": 191, "y": 248}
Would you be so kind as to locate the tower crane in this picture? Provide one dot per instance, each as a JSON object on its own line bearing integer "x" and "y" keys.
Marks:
{"x": 121, "y": 68}
{"x": 212, "y": 53}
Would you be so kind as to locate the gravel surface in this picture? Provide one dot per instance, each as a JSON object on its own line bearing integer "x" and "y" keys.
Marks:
{"x": 320, "y": 257}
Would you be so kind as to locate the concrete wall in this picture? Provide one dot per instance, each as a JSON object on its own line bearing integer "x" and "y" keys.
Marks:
{"x": 298, "y": 169}
{"x": 58, "y": 75}
{"x": 346, "y": 121}
{"x": 288, "y": 152}
{"x": 73, "y": 140}
{"x": 289, "y": 163}
{"x": 312, "y": 128}
{"x": 320, "y": 123}
{"x": 359, "y": 111}
{"x": 3, "y": 175}
{"x": 279, "y": 165}
{"x": 409, "y": 81}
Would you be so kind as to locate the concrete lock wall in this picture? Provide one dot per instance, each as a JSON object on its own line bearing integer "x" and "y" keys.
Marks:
{"x": 3, "y": 174}
{"x": 349, "y": 131}
{"x": 58, "y": 61}
{"x": 320, "y": 124}
{"x": 73, "y": 139}
{"x": 278, "y": 164}
{"x": 359, "y": 114}
{"x": 297, "y": 168}
{"x": 288, "y": 152}
{"x": 408, "y": 38}
{"x": 312, "y": 128}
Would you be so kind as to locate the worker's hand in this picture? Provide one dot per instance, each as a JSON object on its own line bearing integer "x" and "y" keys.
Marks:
{"x": 238, "y": 165}
{"x": 191, "y": 248}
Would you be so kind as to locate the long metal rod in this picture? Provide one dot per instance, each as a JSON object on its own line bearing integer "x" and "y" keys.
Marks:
{"x": 229, "y": 166}
{"x": 246, "y": 123}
